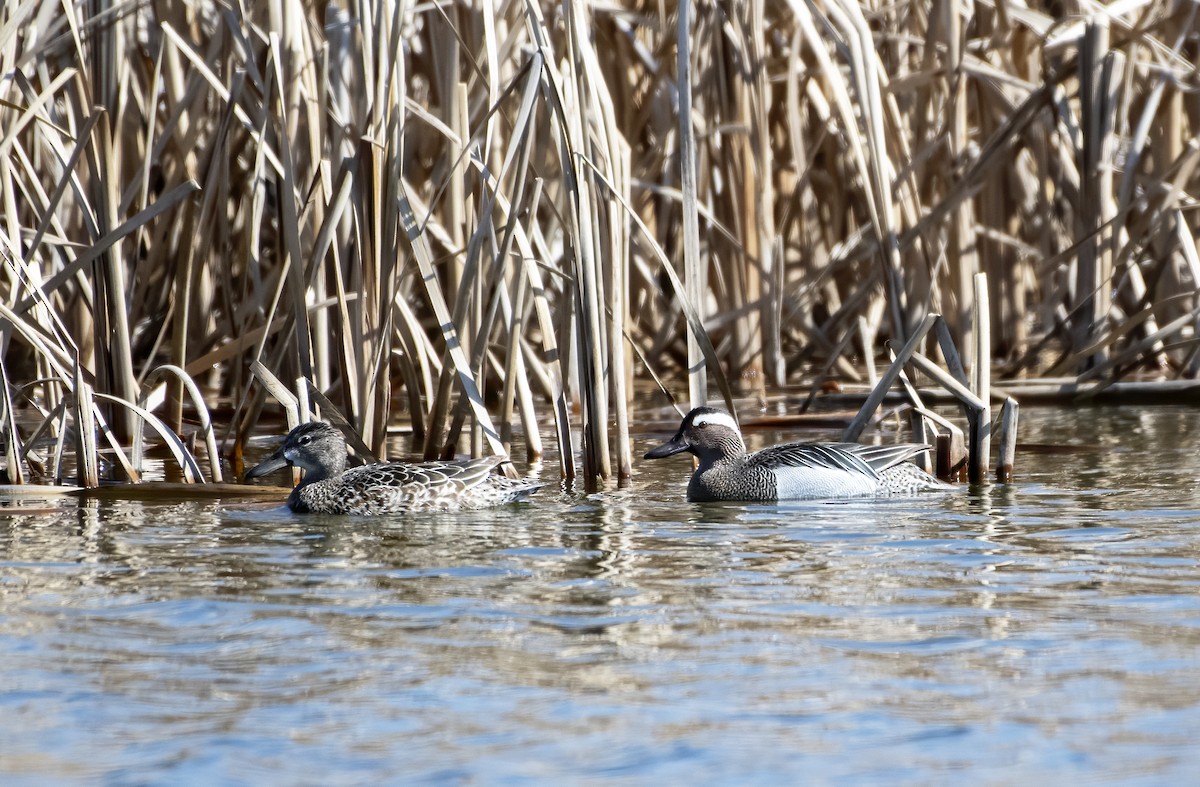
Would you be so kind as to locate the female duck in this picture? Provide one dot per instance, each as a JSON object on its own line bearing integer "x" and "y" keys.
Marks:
{"x": 389, "y": 488}
{"x": 790, "y": 472}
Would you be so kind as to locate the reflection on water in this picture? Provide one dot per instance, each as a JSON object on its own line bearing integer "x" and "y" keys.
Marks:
{"x": 1050, "y": 628}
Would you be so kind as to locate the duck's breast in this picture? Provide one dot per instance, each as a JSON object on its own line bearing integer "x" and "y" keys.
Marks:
{"x": 732, "y": 481}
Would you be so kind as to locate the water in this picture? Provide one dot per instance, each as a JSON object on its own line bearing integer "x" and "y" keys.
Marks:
{"x": 1048, "y": 629}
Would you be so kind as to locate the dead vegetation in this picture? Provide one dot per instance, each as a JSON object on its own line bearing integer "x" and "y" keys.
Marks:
{"x": 476, "y": 216}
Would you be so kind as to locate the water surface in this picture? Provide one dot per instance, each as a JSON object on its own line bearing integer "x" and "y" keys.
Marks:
{"x": 1050, "y": 628}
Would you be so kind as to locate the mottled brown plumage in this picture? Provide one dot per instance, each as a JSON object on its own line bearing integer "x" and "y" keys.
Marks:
{"x": 386, "y": 488}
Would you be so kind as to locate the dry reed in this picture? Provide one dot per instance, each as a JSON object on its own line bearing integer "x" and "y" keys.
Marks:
{"x": 457, "y": 216}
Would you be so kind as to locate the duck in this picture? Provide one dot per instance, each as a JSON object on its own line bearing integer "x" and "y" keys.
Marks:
{"x": 795, "y": 471}
{"x": 328, "y": 487}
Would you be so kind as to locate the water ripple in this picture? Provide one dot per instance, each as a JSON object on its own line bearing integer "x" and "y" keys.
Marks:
{"x": 1046, "y": 629}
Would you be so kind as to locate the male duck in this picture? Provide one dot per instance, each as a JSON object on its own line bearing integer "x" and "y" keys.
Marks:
{"x": 389, "y": 488}
{"x": 794, "y": 471}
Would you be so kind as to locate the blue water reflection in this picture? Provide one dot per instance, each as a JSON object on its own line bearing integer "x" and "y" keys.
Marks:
{"x": 1046, "y": 629}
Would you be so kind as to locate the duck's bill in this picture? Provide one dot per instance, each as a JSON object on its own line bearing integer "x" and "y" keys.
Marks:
{"x": 270, "y": 465}
{"x": 676, "y": 446}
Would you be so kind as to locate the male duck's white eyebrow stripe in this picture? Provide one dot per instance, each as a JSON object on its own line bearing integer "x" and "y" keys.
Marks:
{"x": 716, "y": 419}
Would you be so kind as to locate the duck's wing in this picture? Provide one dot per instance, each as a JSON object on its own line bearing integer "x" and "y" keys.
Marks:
{"x": 881, "y": 457}
{"x": 399, "y": 487}
{"x": 461, "y": 475}
{"x": 827, "y": 456}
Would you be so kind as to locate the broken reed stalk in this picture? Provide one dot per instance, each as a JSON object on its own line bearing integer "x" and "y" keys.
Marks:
{"x": 1005, "y": 461}
{"x": 950, "y": 449}
{"x": 855, "y": 428}
{"x": 974, "y": 400}
{"x": 947, "y": 381}
{"x": 980, "y": 418}
{"x": 951, "y": 457}
{"x": 921, "y": 426}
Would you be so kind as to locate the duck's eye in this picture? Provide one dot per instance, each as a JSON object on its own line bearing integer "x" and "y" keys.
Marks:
{"x": 304, "y": 439}
{"x": 702, "y": 425}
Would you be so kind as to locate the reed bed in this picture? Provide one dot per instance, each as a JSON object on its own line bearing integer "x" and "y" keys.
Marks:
{"x": 470, "y": 217}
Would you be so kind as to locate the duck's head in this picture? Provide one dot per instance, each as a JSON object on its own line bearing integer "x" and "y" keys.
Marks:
{"x": 315, "y": 447}
{"x": 708, "y": 433}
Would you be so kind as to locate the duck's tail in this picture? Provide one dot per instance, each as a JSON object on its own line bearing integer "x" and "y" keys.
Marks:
{"x": 908, "y": 479}
{"x": 497, "y": 490}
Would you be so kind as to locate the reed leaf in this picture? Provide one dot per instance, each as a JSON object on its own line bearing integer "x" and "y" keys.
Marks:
{"x": 197, "y": 399}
